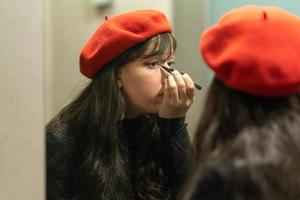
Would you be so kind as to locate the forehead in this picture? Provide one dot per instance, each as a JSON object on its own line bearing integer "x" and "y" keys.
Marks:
{"x": 161, "y": 45}
{"x": 161, "y": 57}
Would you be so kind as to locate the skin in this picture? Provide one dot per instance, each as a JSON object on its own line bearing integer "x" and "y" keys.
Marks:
{"x": 150, "y": 89}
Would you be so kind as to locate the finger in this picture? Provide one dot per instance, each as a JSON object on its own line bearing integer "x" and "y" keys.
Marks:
{"x": 180, "y": 84}
{"x": 190, "y": 86}
{"x": 166, "y": 93}
{"x": 171, "y": 88}
{"x": 164, "y": 72}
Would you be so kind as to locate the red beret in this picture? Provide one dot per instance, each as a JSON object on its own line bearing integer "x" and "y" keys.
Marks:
{"x": 256, "y": 50}
{"x": 118, "y": 34}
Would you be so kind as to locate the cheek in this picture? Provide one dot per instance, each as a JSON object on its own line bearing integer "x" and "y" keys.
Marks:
{"x": 143, "y": 89}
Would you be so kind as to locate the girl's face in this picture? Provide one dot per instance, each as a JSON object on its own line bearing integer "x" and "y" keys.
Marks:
{"x": 142, "y": 82}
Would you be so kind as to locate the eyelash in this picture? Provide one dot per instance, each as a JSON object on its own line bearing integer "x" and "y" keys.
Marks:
{"x": 156, "y": 63}
{"x": 171, "y": 63}
{"x": 151, "y": 64}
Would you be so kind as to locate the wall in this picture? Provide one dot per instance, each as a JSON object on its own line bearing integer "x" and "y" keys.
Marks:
{"x": 21, "y": 100}
{"x": 189, "y": 24}
{"x": 216, "y": 8}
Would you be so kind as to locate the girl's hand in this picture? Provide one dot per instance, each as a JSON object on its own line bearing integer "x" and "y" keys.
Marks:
{"x": 179, "y": 95}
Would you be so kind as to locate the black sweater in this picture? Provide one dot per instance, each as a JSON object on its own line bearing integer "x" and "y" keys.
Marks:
{"x": 174, "y": 152}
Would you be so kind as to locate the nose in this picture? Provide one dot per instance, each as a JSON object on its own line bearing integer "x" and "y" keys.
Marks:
{"x": 164, "y": 75}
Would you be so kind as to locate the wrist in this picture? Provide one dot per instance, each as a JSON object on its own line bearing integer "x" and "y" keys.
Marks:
{"x": 171, "y": 123}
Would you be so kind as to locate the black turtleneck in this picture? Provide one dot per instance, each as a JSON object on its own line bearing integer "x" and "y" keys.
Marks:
{"x": 174, "y": 149}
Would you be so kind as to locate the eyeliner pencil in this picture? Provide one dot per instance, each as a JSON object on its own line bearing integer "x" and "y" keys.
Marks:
{"x": 170, "y": 70}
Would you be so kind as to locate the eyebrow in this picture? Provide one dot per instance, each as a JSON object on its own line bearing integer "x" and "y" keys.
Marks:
{"x": 161, "y": 57}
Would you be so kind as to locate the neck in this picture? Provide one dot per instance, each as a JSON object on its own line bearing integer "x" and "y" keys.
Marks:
{"x": 131, "y": 112}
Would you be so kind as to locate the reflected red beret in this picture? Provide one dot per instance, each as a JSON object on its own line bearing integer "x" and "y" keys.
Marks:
{"x": 118, "y": 34}
{"x": 256, "y": 50}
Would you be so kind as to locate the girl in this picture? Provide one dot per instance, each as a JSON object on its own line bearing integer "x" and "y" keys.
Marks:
{"x": 253, "y": 51}
{"x": 124, "y": 137}
{"x": 247, "y": 142}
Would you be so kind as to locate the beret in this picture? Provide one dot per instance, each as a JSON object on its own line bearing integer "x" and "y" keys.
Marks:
{"x": 117, "y": 34}
{"x": 256, "y": 50}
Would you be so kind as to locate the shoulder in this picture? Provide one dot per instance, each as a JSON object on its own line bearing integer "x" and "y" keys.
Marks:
{"x": 55, "y": 134}
{"x": 57, "y": 172}
{"x": 54, "y": 145}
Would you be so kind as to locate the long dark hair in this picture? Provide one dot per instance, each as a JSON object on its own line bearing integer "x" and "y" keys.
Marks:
{"x": 242, "y": 179}
{"x": 90, "y": 128}
{"x": 229, "y": 113}
{"x": 258, "y": 163}
{"x": 247, "y": 147}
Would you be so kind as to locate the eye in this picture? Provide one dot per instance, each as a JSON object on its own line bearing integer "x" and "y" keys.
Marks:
{"x": 152, "y": 64}
{"x": 171, "y": 63}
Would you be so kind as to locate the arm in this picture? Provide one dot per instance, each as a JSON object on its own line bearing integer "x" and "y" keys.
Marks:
{"x": 176, "y": 151}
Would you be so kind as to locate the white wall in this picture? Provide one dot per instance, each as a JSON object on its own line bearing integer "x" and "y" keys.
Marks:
{"x": 216, "y": 8}
{"x": 189, "y": 24}
{"x": 21, "y": 100}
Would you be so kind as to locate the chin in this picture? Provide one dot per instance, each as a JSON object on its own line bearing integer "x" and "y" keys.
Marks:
{"x": 154, "y": 110}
